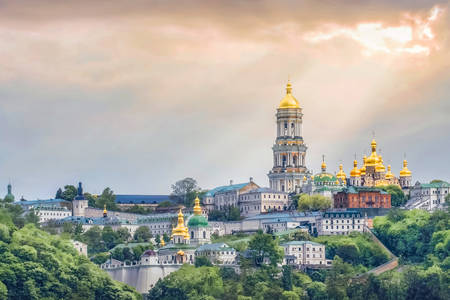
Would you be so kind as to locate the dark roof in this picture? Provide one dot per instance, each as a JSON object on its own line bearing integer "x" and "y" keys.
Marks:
{"x": 142, "y": 199}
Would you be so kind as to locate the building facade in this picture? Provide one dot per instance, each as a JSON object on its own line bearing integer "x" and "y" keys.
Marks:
{"x": 304, "y": 253}
{"x": 289, "y": 150}
{"x": 341, "y": 222}
{"x": 262, "y": 200}
{"x": 228, "y": 195}
{"x": 218, "y": 253}
{"x": 428, "y": 196}
{"x": 362, "y": 197}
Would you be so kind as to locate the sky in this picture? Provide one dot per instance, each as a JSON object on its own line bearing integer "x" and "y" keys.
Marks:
{"x": 135, "y": 95}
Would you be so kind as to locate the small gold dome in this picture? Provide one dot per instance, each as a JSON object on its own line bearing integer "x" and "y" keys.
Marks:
{"x": 380, "y": 167}
{"x": 304, "y": 178}
{"x": 289, "y": 101}
{"x": 355, "y": 172}
{"x": 337, "y": 182}
{"x": 405, "y": 172}
{"x": 197, "y": 207}
{"x": 324, "y": 166}
{"x": 363, "y": 168}
{"x": 373, "y": 159}
{"x": 389, "y": 174}
{"x": 341, "y": 174}
{"x": 180, "y": 229}
{"x": 180, "y": 252}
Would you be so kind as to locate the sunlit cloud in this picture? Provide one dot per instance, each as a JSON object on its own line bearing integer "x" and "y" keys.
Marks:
{"x": 413, "y": 36}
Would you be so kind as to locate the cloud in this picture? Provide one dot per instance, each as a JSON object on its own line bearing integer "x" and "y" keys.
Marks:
{"x": 138, "y": 94}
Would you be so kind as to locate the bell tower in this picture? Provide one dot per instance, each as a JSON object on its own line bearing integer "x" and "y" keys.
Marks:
{"x": 289, "y": 150}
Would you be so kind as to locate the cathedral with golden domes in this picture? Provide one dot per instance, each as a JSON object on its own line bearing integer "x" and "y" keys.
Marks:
{"x": 373, "y": 172}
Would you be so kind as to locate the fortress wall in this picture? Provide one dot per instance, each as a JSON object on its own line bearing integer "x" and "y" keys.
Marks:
{"x": 142, "y": 277}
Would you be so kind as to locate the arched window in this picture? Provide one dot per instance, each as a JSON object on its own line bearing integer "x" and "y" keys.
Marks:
{"x": 192, "y": 234}
{"x": 204, "y": 234}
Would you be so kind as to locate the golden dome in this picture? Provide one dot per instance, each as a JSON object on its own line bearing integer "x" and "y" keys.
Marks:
{"x": 355, "y": 172}
{"x": 337, "y": 182}
{"x": 197, "y": 208}
{"x": 380, "y": 167}
{"x": 304, "y": 178}
{"x": 373, "y": 159}
{"x": 341, "y": 174}
{"x": 105, "y": 212}
{"x": 289, "y": 101}
{"x": 162, "y": 243}
{"x": 405, "y": 172}
{"x": 180, "y": 229}
{"x": 323, "y": 166}
{"x": 363, "y": 168}
{"x": 180, "y": 252}
{"x": 389, "y": 174}
{"x": 312, "y": 177}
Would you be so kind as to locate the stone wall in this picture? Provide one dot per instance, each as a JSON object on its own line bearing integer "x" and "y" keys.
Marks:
{"x": 141, "y": 277}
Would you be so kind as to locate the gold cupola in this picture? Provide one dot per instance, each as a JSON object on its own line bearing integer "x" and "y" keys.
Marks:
{"x": 389, "y": 174}
{"x": 363, "y": 168}
{"x": 380, "y": 167}
{"x": 162, "y": 243}
{"x": 373, "y": 159}
{"x": 197, "y": 207}
{"x": 105, "y": 212}
{"x": 324, "y": 165}
{"x": 341, "y": 174}
{"x": 355, "y": 172}
{"x": 180, "y": 229}
{"x": 405, "y": 172}
{"x": 304, "y": 178}
{"x": 289, "y": 101}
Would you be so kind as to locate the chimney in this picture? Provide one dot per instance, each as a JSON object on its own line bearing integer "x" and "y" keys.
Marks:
{"x": 231, "y": 181}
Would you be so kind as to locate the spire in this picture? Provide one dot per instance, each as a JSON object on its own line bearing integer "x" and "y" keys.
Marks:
{"x": 289, "y": 100}
{"x": 289, "y": 87}
{"x": 355, "y": 172}
{"x": 389, "y": 174}
{"x": 405, "y": 172}
{"x": 162, "y": 242}
{"x": 341, "y": 174}
{"x": 105, "y": 212}
{"x": 197, "y": 207}
{"x": 324, "y": 165}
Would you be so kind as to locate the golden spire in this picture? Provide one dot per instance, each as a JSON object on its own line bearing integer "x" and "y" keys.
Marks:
{"x": 304, "y": 178}
{"x": 341, "y": 174}
{"x": 373, "y": 159}
{"x": 405, "y": 172}
{"x": 324, "y": 165}
{"x": 162, "y": 243}
{"x": 389, "y": 174}
{"x": 289, "y": 101}
{"x": 197, "y": 207}
{"x": 380, "y": 167}
{"x": 355, "y": 172}
{"x": 105, "y": 212}
{"x": 180, "y": 229}
{"x": 363, "y": 168}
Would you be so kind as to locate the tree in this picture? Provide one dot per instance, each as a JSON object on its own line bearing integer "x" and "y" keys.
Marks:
{"x": 166, "y": 238}
{"x": 110, "y": 237}
{"x": 301, "y": 235}
{"x": 338, "y": 279}
{"x": 93, "y": 237}
{"x": 313, "y": 203}
{"x": 263, "y": 245}
{"x": 398, "y": 198}
{"x": 186, "y": 190}
{"x": 106, "y": 198}
{"x": 142, "y": 234}
{"x": 286, "y": 278}
{"x": 69, "y": 192}
{"x": 59, "y": 194}
{"x": 202, "y": 261}
{"x": 123, "y": 235}
{"x": 158, "y": 239}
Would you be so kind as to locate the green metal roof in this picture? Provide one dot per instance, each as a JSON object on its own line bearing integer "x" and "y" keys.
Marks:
{"x": 225, "y": 188}
{"x": 199, "y": 221}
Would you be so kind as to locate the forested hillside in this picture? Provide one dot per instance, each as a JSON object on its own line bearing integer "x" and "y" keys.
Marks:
{"x": 37, "y": 265}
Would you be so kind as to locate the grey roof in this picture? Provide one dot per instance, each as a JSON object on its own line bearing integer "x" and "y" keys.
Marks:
{"x": 142, "y": 199}
{"x": 46, "y": 202}
{"x": 290, "y": 214}
{"x": 215, "y": 247}
{"x": 265, "y": 190}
